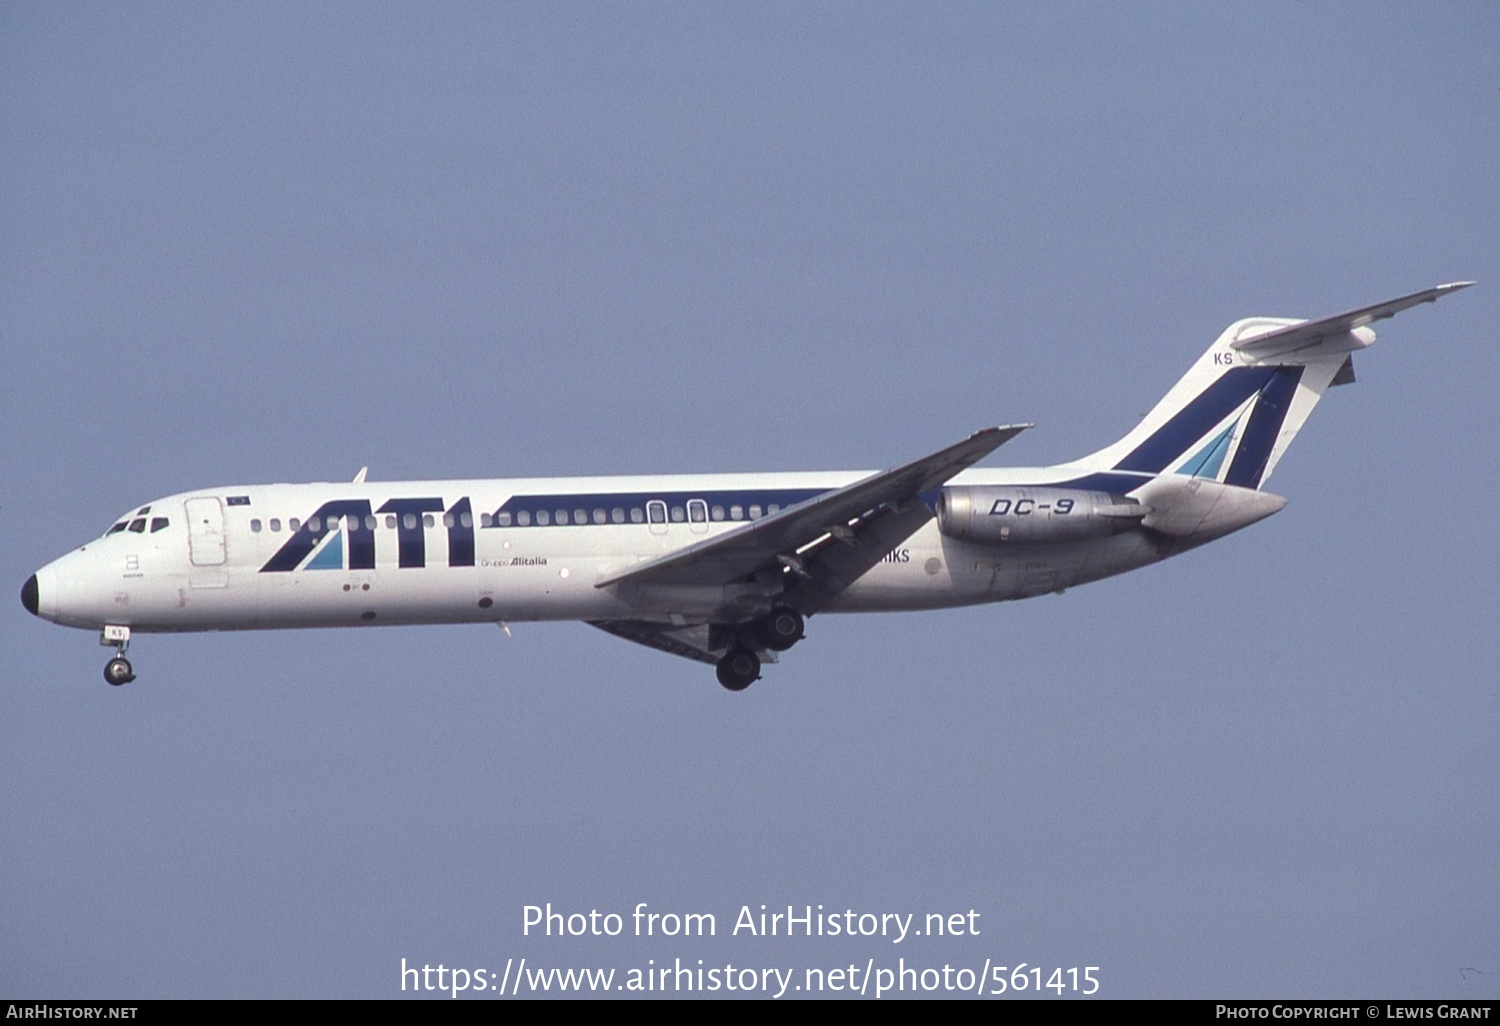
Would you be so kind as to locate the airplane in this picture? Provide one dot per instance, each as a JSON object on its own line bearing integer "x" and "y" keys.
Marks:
{"x": 725, "y": 569}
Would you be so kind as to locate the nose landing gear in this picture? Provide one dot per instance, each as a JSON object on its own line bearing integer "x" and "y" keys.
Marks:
{"x": 118, "y": 670}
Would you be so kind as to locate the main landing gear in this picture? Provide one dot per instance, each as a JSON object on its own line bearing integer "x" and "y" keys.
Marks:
{"x": 739, "y": 668}
{"x": 777, "y": 631}
{"x": 117, "y": 671}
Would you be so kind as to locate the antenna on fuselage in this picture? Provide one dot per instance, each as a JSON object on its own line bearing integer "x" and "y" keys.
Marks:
{"x": 360, "y": 477}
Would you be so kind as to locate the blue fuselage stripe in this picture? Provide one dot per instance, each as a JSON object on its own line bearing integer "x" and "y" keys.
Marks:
{"x": 606, "y": 503}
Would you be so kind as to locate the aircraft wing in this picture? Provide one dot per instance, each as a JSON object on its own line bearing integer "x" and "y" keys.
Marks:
{"x": 866, "y": 518}
{"x": 1297, "y": 336}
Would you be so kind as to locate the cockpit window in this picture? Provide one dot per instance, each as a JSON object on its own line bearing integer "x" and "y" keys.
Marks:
{"x": 117, "y": 528}
{"x": 143, "y": 511}
{"x": 158, "y": 524}
{"x": 138, "y": 525}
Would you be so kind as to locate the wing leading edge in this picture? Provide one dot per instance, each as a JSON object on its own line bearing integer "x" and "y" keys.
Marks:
{"x": 864, "y": 519}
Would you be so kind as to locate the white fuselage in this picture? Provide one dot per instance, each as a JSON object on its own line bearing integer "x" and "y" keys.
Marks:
{"x": 721, "y": 568}
{"x": 479, "y": 551}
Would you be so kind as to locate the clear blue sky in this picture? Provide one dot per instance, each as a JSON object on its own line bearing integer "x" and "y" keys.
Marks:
{"x": 248, "y": 243}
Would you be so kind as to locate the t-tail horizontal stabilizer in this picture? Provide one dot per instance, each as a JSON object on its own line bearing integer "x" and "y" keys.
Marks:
{"x": 1297, "y": 337}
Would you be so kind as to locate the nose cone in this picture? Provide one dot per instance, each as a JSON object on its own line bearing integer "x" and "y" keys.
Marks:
{"x": 40, "y": 593}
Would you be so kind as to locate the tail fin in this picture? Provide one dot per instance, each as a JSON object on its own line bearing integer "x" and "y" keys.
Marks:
{"x": 1234, "y": 413}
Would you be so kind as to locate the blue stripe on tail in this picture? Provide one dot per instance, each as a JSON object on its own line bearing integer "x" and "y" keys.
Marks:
{"x": 1210, "y": 458}
{"x": 1273, "y": 388}
{"x": 1195, "y": 419}
{"x": 1264, "y": 428}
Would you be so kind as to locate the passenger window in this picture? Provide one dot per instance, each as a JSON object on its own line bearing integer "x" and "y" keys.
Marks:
{"x": 637, "y": 516}
{"x": 390, "y": 521}
{"x": 617, "y": 515}
{"x": 542, "y": 518}
{"x": 503, "y": 519}
{"x": 755, "y": 512}
{"x": 736, "y": 512}
{"x": 678, "y": 516}
{"x": 716, "y": 513}
{"x": 409, "y": 521}
{"x": 294, "y": 524}
{"x": 658, "y": 512}
{"x": 466, "y": 519}
{"x": 774, "y": 508}
{"x": 254, "y": 525}
{"x": 427, "y": 520}
{"x": 137, "y": 526}
{"x": 314, "y": 524}
{"x": 599, "y": 516}
{"x": 562, "y": 516}
{"x": 698, "y": 512}
{"x": 158, "y": 524}
{"x": 580, "y": 516}
{"x": 524, "y": 518}
{"x": 275, "y": 525}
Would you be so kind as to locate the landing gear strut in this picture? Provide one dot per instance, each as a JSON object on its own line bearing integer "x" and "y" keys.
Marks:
{"x": 117, "y": 671}
{"x": 739, "y": 668}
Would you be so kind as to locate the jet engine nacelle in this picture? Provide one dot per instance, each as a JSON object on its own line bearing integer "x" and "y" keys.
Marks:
{"x": 1015, "y": 515}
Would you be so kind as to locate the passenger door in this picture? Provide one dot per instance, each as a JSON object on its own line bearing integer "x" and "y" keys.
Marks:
{"x": 205, "y": 519}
